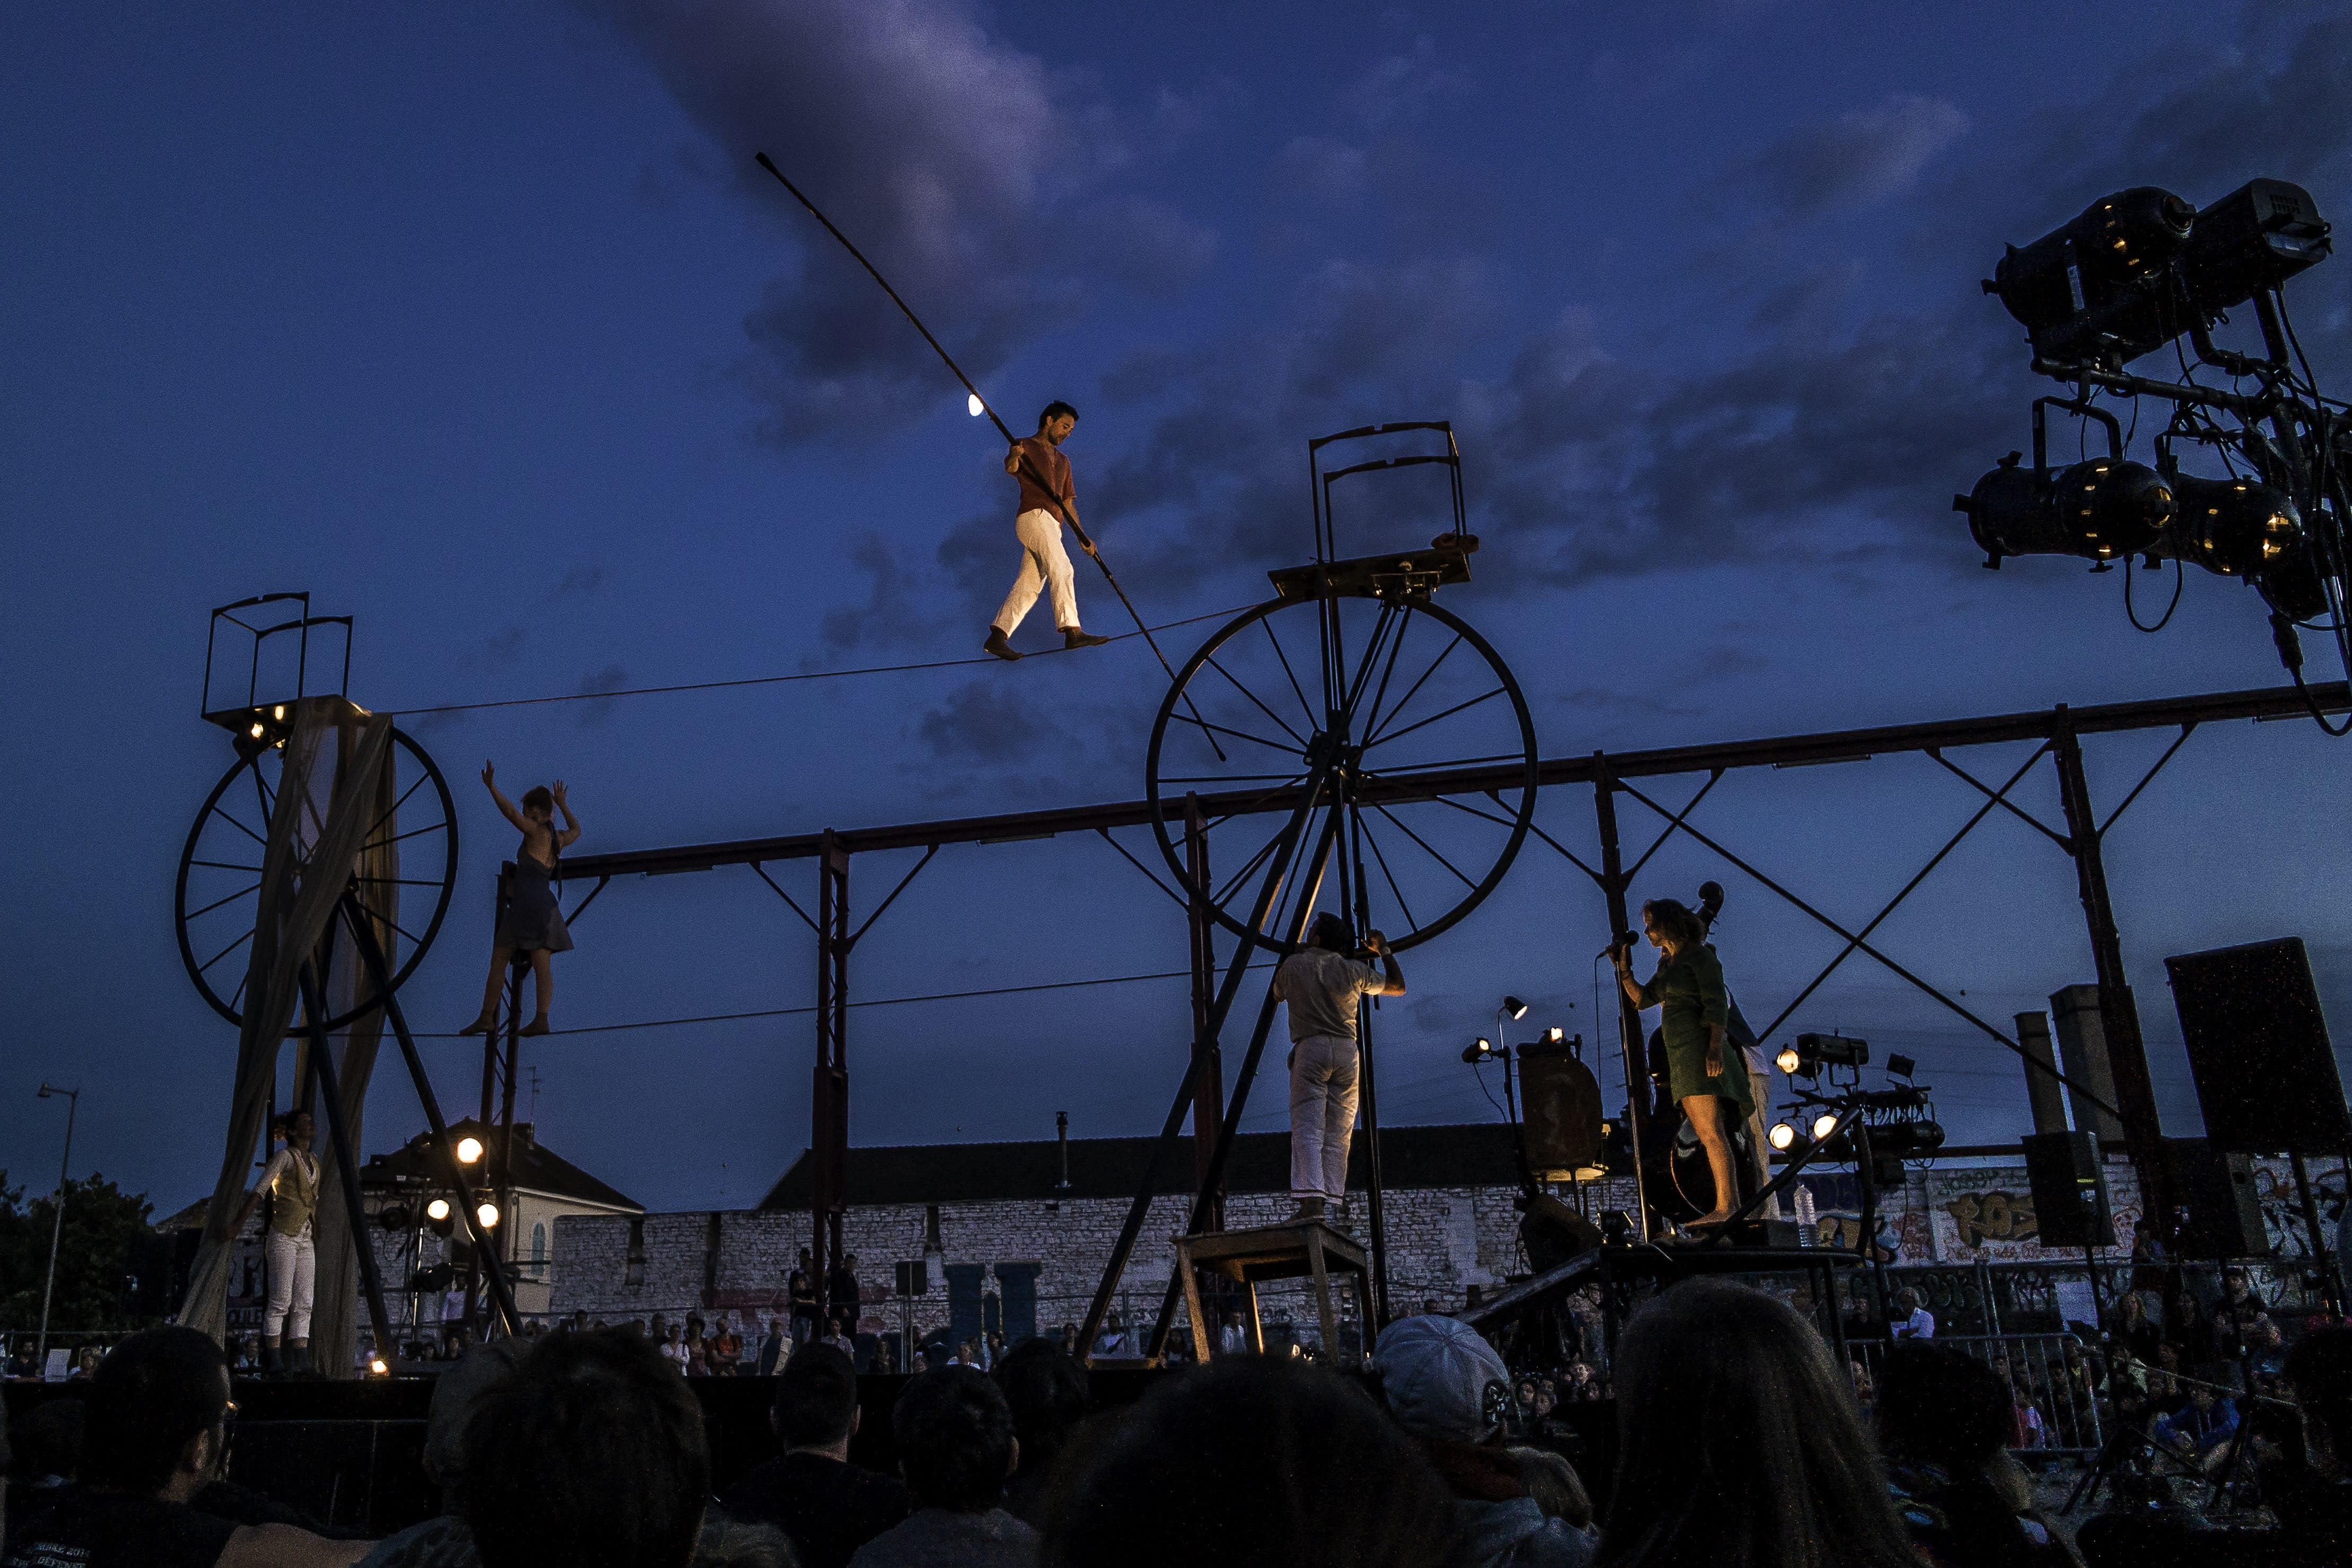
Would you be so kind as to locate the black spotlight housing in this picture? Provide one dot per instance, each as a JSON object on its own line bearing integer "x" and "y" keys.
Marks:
{"x": 2101, "y": 285}
{"x": 2256, "y": 237}
{"x": 1908, "y": 1140}
{"x": 395, "y": 1217}
{"x": 2237, "y": 527}
{"x": 2100, "y": 509}
{"x": 1817, "y": 1050}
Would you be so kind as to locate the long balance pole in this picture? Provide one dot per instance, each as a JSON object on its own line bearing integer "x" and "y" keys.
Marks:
{"x": 989, "y": 409}
{"x": 58, "y": 1228}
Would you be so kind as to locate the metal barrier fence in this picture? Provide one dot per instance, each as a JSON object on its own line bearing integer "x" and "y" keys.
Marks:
{"x": 2055, "y": 1377}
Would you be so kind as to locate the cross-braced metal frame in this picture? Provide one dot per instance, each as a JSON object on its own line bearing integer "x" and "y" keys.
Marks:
{"x": 1623, "y": 777}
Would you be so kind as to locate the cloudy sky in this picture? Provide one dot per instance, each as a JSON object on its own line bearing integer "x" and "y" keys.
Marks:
{"x": 484, "y": 327}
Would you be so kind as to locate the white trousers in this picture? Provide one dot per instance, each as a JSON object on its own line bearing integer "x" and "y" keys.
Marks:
{"x": 1322, "y": 1114}
{"x": 1043, "y": 564}
{"x": 293, "y": 1273}
{"x": 1759, "y": 1090}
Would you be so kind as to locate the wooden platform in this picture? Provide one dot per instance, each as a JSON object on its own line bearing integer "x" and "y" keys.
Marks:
{"x": 1306, "y": 1249}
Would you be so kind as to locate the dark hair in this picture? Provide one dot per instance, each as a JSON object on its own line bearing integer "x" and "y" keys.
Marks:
{"x": 1048, "y": 1394}
{"x": 1674, "y": 919}
{"x": 538, "y": 797}
{"x": 816, "y": 1398}
{"x": 2319, "y": 1369}
{"x": 1249, "y": 1460}
{"x": 1553, "y": 1482}
{"x": 1332, "y": 931}
{"x": 153, "y": 1394}
{"x": 954, "y": 1434}
{"x": 49, "y": 1440}
{"x": 592, "y": 1452}
{"x": 1942, "y": 1406}
{"x": 1055, "y": 410}
{"x": 1739, "y": 1443}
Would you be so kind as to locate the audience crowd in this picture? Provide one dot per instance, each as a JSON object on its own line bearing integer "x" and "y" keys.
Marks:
{"x": 1738, "y": 1440}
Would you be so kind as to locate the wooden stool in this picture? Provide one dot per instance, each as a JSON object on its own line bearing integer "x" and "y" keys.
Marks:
{"x": 1308, "y": 1249}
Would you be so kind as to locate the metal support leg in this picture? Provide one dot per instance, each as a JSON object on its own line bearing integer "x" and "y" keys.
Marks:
{"x": 1613, "y": 882}
{"x": 379, "y": 973}
{"x": 829, "y": 1104}
{"x": 2118, "y": 1014}
{"x": 322, "y": 1062}
{"x": 1209, "y": 1076}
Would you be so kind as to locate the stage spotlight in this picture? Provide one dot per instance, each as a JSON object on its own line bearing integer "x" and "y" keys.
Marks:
{"x": 2232, "y": 526}
{"x": 1907, "y": 1139}
{"x": 1555, "y": 1034}
{"x": 1818, "y": 1050}
{"x": 2100, "y": 509}
{"x": 1514, "y": 1009}
{"x": 440, "y": 1216}
{"x": 486, "y": 1214}
{"x": 1783, "y": 1136}
{"x": 1481, "y": 1050}
{"x": 380, "y": 1367}
{"x": 1824, "y": 1125}
{"x": 1899, "y": 1065}
{"x": 278, "y": 712}
{"x": 2100, "y": 287}
{"x": 395, "y": 1217}
{"x": 470, "y": 1149}
{"x": 1789, "y": 1060}
{"x": 257, "y": 732}
{"x": 2256, "y": 237}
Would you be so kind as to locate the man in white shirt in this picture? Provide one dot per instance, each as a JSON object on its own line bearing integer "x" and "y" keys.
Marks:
{"x": 1321, "y": 984}
{"x": 1918, "y": 1321}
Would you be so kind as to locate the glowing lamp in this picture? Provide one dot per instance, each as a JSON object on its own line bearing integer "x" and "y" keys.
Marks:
{"x": 1824, "y": 1125}
{"x": 1789, "y": 1060}
{"x": 469, "y": 1150}
{"x": 1783, "y": 1136}
{"x": 975, "y": 406}
{"x": 487, "y": 1214}
{"x": 438, "y": 1210}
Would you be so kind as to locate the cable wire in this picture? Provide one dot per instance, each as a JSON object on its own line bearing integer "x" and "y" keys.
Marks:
{"x": 780, "y": 680}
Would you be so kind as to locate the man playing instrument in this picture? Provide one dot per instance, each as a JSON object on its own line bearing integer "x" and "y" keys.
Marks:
{"x": 1048, "y": 497}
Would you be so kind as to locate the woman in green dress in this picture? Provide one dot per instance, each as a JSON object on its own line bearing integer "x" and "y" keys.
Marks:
{"x": 1707, "y": 1078}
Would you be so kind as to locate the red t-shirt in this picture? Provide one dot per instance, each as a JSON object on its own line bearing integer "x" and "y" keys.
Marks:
{"x": 1044, "y": 458}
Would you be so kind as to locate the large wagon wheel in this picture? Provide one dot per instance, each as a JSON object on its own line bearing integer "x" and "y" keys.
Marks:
{"x": 1422, "y": 735}
{"x": 216, "y": 901}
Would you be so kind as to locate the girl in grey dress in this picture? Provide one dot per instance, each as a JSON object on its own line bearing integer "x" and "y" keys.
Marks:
{"x": 531, "y": 923}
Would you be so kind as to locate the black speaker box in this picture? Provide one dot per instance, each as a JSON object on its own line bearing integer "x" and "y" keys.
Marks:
{"x": 1562, "y": 1101}
{"x": 2216, "y": 1186}
{"x": 2258, "y": 1049}
{"x": 2070, "y": 1190}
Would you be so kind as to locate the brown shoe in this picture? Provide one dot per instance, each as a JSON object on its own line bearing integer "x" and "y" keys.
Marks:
{"x": 998, "y": 645}
{"x": 1073, "y": 638}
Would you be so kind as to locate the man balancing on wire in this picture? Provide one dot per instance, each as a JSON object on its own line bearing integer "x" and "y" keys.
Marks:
{"x": 1048, "y": 498}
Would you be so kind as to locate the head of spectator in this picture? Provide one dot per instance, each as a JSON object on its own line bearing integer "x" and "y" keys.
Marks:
{"x": 956, "y": 1442}
{"x": 1941, "y": 1407}
{"x": 1249, "y": 1462}
{"x": 2319, "y": 1370}
{"x": 456, "y": 1394}
{"x": 1048, "y": 1394}
{"x": 158, "y": 1416}
{"x": 1558, "y": 1490}
{"x": 1739, "y": 1442}
{"x": 48, "y": 1443}
{"x": 815, "y": 1408}
{"x": 590, "y": 1452}
{"x": 2236, "y": 1286}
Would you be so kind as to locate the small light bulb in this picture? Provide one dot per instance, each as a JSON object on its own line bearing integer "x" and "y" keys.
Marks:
{"x": 1788, "y": 1061}
{"x": 257, "y": 732}
{"x": 974, "y": 405}
{"x": 487, "y": 1214}
{"x": 438, "y": 1211}
{"x": 1824, "y": 1125}
{"x": 1781, "y": 1137}
{"x": 379, "y": 1368}
{"x": 469, "y": 1150}
{"x": 278, "y": 712}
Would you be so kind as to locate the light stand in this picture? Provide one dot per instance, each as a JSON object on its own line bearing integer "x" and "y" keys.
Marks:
{"x": 57, "y": 1226}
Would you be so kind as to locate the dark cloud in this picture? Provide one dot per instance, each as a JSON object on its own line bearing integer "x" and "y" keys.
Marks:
{"x": 504, "y": 643}
{"x": 578, "y": 579}
{"x": 887, "y": 616}
{"x": 952, "y": 161}
{"x": 1858, "y": 159}
{"x": 986, "y": 722}
{"x": 611, "y": 678}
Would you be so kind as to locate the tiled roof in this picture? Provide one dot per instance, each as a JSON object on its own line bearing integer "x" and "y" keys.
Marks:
{"x": 536, "y": 1166}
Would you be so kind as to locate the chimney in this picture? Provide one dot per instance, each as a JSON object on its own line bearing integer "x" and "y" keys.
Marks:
{"x": 2083, "y": 1048}
{"x": 2042, "y": 1091}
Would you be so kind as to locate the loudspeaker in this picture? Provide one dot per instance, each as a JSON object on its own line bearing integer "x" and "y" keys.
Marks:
{"x": 2070, "y": 1190}
{"x": 2216, "y": 1186}
{"x": 2258, "y": 1048}
{"x": 1552, "y": 1232}
{"x": 914, "y": 1277}
{"x": 1562, "y": 1104}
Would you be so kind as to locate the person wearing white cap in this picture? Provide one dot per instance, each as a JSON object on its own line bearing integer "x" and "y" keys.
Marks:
{"x": 1447, "y": 1388}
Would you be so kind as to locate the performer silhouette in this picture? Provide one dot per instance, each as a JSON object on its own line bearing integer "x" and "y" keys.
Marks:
{"x": 531, "y": 923}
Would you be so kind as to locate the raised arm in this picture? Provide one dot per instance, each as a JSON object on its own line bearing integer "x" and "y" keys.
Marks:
{"x": 505, "y": 807}
{"x": 1622, "y": 955}
{"x": 1393, "y": 983}
{"x": 571, "y": 823}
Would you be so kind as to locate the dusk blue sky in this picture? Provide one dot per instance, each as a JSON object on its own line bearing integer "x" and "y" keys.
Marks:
{"x": 481, "y": 324}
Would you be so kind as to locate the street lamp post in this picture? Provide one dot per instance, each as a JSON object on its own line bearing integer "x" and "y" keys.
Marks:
{"x": 73, "y": 1106}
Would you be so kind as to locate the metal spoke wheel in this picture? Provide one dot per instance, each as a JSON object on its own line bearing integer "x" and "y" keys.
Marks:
{"x": 1403, "y": 721}
{"x": 217, "y": 902}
